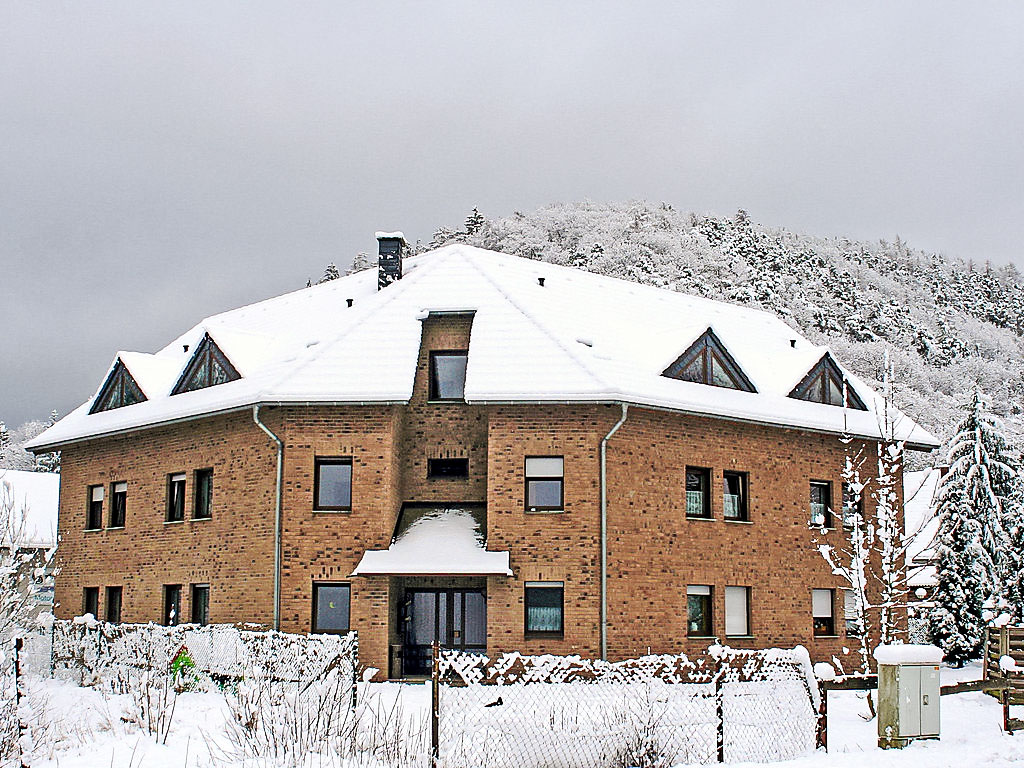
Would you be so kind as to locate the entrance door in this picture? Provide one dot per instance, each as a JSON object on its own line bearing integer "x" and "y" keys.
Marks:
{"x": 455, "y": 618}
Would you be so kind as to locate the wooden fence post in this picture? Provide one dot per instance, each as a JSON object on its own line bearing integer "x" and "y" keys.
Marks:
{"x": 435, "y": 701}
{"x": 823, "y": 717}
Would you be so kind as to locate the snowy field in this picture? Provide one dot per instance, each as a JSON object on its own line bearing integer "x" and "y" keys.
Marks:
{"x": 88, "y": 731}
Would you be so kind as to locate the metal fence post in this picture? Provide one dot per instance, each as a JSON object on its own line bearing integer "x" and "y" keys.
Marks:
{"x": 720, "y": 713}
{"x": 19, "y": 643}
{"x": 435, "y": 700}
{"x": 823, "y": 716}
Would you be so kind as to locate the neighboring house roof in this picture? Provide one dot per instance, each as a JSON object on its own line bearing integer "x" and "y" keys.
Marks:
{"x": 579, "y": 337}
{"x": 37, "y": 494}
{"x": 921, "y": 525}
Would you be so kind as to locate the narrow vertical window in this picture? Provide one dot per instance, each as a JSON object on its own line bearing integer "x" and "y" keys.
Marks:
{"x": 850, "y": 613}
{"x": 698, "y": 499}
{"x": 734, "y": 499}
{"x": 853, "y": 506}
{"x": 113, "y": 600}
{"x": 201, "y": 604}
{"x": 91, "y": 601}
{"x": 176, "y": 497}
{"x": 698, "y": 610}
{"x": 545, "y": 483}
{"x": 331, "y": 607}
{"x": 544, "y": 605}
{"x": 203, "y": 508}
{"x": 737, "y": 611}
{"x": 821, "y": 504}
{"x": 823, "y": 612}
{"x": 332, "y": 484}
{"x": 118, "y": 504}
{"x": 94, "y": 514}
{"x": 448, "y": 375}
{"x": 172, "y": 604}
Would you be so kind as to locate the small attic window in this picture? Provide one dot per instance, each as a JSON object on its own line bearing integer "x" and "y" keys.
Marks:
{"x": 708, "y": 362}
{"x": 207, "y": 368}
{"x": 120, "y": 389}
{"x": 825, "y": 384}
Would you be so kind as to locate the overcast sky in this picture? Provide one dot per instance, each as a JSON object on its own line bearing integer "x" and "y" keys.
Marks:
{"x": 163, "y": 161}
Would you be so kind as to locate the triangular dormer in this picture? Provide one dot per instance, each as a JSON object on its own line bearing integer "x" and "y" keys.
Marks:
{"x": 207, "y": 368}
{"x": 707, "y": 361}
{"x": 826, "y": 384}
{"x": 120, "y": 389}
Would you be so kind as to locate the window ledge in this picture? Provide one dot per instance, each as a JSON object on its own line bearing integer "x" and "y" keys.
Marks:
{"x": 114, "y": 528}
{"x": 544, "y": 511}
{"x": 446, "y": 402}
{"x": 200, "y": 519}
{"x": 737, "y": 522}
{"x": 543, "y": 635}
{"x": 92, "y": 530}
{"x": 704, "y": 519}
{"x": 329, "y": 512}
{"x": 827, "y": 637}
{"x": 739, "y": 637}
{"x": 173, "y": 522}
{"x": 702, "y": 637}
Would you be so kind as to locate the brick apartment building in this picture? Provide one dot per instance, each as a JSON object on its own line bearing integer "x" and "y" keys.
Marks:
{"x": 496, "y": 452}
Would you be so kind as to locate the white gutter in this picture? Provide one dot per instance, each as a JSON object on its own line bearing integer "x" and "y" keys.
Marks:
{"x": 604, "y": 530}
{"x": 277, "y": 514}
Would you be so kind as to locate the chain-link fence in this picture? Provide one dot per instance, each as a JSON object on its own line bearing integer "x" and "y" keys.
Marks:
{"x": 524, "y": 711}
{"x": 92, "y": 652}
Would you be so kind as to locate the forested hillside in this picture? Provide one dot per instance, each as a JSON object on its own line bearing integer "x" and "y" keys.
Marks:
{"x": 948, "y": 325}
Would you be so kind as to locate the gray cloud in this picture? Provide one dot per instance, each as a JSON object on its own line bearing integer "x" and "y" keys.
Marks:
{"x": 164, "y": 161}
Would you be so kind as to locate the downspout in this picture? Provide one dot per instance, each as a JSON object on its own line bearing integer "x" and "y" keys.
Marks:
{"x": 277, "y": 514}
{"x": 604, "y": 530}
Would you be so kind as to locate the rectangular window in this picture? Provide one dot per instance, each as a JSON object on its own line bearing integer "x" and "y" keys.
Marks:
{"x": 737, "y": 611}
{"x": 91, "y": 601}
{"x": 447, "y": 467}
{"x": 94, "y": 515}
{"x": 448, "y": 375}
{"x": 545, "y": 483}
{"x": 698, "y": 500}
{"x": 544, "y": 608}
{"x": 114, "y": 604}
{"x": 176, "y": 497}
{"x": 332, "y": 484}
{"x": 734, "y": 499}
{"x": 821, "y": 504}
{"x": 203, "y": 508}
{"x": 822, "y": 611}
{"x": 698, "y": 610}
{"x": 850, "y": 613}
{"x": 853, "y": 506}
{"x": 118, "y": 504}
{"x": 201, "y": 604}
{"x": 172, "y": 604}
{"x": 331, "y": 607}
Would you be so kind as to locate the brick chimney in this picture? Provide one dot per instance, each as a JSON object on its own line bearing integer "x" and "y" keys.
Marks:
{"x": 391, "y": 246}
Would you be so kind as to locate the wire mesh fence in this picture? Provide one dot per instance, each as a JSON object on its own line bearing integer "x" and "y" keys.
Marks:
{"x": 92, "y": 652}
{"x": 524, "y": 711}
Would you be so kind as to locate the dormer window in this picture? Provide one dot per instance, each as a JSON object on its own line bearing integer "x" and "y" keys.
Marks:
{"x": 119, "y": 390}
{"x": 708, "y": 362}
{"x": 207, "y": 368}
{"x": 448, "y": 375}
{"x": 827, "y": 384}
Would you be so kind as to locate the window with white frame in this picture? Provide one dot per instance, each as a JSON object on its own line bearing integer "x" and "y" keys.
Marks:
{"x": 823, "y": 612}
{"x": 698, "y": 610}
{"x": 545, "y": 483}
{"x": 737, "y": 611}
{"x": 544, "y": 601}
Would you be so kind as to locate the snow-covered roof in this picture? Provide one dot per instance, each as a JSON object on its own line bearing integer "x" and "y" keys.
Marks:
{"x": 437, "y": 542}
{"x": 37, "y": 493}
{"x": 579, "y": 337}
{"x": 921, "y": 525}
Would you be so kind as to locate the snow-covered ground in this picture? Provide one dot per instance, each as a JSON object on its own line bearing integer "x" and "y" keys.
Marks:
{"x": 87, "y": 731}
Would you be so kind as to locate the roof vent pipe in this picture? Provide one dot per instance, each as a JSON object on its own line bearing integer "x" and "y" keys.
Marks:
{"x": 792, "y": 343}
{"x": 349, "y": 302}
{"x": 540, "y": 281}
{"x": 390, "y": 248}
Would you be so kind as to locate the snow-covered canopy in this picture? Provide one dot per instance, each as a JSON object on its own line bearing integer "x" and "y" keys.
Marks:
{"x": 579, "y": 337}
{"x": 436, "y": 541}
{"x": 37, "y": 494}
{"x": 907, "y": 653}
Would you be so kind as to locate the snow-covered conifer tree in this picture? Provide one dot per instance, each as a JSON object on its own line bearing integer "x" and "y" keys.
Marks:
{"x": 474, "y": 222}
{"x": 974, "y": 498}
{"x": 330, "y": 273}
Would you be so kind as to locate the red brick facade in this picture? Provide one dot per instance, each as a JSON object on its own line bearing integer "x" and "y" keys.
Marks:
{"x": 654, "y": 550}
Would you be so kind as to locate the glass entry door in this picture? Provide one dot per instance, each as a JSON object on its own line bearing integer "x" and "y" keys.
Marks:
{"x": 455, "y": 618}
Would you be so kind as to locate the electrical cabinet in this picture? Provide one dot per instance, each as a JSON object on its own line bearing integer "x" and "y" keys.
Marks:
{"x": 908, "y": 694}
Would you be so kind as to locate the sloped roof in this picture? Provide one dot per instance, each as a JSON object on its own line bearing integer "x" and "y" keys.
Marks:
{"x": 921, "y": 525}
{"x": 36, "y": 494}
{"x": 579, "y": 337}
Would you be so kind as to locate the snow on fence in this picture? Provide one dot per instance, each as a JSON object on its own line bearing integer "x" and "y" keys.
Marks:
{"x": 91, "y": 652}
{"x": 524, "y": 711}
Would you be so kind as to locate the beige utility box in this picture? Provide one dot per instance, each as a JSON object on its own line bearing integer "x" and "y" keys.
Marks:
{"x": 908, "y": 693}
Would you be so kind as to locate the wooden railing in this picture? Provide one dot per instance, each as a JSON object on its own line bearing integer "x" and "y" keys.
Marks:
{"x": 1000, "y": 642}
